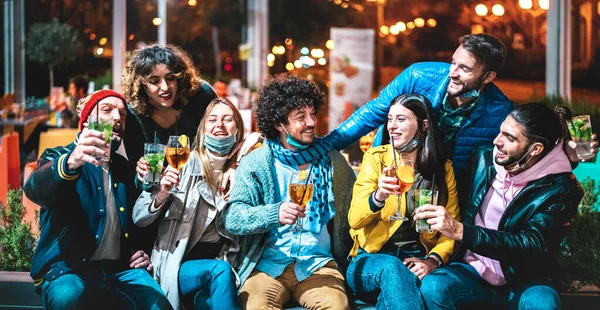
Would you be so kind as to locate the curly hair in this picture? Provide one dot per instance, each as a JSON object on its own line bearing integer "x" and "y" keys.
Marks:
{"x": 279, "y": 96}
{"x": 139, "y": 68}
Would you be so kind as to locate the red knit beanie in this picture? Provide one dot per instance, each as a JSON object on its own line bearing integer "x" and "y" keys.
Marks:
{"x": 87, "y": 104}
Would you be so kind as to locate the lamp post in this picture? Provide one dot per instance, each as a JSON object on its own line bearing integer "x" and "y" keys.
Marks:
{"x": 542, "y": 7}
{"x": 497, "y": 10}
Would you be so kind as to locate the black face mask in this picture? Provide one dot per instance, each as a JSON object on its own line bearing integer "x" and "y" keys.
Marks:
{"x": 475, "y": 91}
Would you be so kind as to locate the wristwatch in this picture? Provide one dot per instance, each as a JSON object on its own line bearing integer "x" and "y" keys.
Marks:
{"x": 437, "y": 259}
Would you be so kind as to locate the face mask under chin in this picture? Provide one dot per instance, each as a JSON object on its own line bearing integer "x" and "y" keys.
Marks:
{"x": 221, "y": 146}
{"x": 293, "y": 142}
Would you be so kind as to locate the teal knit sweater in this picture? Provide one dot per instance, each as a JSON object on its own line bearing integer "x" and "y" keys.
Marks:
{"x": 252, "y": 210}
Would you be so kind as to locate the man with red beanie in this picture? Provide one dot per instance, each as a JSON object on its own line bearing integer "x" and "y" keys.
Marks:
{"x": 87, "y": 253}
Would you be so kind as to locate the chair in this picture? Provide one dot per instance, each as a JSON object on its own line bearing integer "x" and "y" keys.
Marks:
{"x": 10, "y": 168}
{"x": 9, "y": 99}
{"x": 30, "y": 206}
{"x": 56, "y": 137}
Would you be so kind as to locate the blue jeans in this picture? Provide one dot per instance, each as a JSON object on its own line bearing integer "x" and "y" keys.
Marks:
{"x": 97, "y": 285}
{"x": 385, "y": 278}
{"x": 208, "y": 284}
{"x": 459, "y": 284}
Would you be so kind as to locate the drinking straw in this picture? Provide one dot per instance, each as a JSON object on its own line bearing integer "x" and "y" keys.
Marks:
{"x": 397, "y": 176}
{"x": 155, "y": 136}
{"x": 432, "y": 187}
{"x": 307, "y": 179}
{"x": 394, "y": 151}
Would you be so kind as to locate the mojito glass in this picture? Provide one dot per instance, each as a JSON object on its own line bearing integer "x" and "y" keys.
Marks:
{"x": 581, "y": 132}
{"x": 423, "y": 197}
{"x": 154, "y": 154}
{"x": 105, "y": 127}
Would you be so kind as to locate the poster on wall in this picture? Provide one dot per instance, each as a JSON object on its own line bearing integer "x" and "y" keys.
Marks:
{"x": 350, "y": 72}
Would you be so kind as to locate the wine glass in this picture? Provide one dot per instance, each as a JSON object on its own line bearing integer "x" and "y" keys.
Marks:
{"x": 405, "y": 172}
{"x": 300, "y": 190}
{"x": 177, "y": 153}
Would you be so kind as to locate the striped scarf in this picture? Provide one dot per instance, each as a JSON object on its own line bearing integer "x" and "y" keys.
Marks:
{"x": 321, "y": 208}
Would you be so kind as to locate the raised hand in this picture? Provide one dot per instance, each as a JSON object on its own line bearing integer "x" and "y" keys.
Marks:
{"x": 142, "y": 168}
{"x": 90, "y": 146}
{"x": 386, "y": 185}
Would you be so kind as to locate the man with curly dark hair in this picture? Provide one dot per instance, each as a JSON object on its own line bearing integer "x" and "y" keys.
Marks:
{"x": 290, "y": 250}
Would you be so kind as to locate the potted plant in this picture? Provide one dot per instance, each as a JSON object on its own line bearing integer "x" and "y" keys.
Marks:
{"x": 17, "y": 245}
{"x": 580, "y": 250}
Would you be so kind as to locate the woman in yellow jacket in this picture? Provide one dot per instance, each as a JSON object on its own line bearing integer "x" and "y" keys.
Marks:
{"x": 389, "y": 257}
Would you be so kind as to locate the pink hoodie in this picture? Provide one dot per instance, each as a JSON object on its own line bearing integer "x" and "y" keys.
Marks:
{"x": 503, "y": 190}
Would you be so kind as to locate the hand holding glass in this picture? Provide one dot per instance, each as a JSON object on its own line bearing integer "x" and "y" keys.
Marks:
{"x": 154, "y": 154}
{"x": 104, "y": 126}
{"x": 177, "y": 154}
{"x": 405, "y": 172}
{"x": 423, "y": 197}
{"x": 300, "y": 190}
{"x": 580, "y": 129}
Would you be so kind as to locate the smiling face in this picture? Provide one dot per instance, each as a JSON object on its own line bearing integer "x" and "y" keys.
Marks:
{"x": 511, "y": 143}
{"x": 466, "y": 73}
{"x": 301, "y": 126}
{"x": 161, "y": 86}
{"x": 402, "y": 125}
{"x": 112, "y": 108}
{"x": 220, "y": 122}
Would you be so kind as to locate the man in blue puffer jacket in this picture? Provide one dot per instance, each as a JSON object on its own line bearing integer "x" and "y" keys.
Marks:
{"x": 467, "y": 106}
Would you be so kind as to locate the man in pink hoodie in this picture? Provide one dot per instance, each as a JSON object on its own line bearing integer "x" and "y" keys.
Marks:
{"x": 522, "y": 197}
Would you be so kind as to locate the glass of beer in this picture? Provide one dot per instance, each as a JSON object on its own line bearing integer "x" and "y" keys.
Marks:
{"x": 300, "y": 190}
{"x": 405, "y": 172}
{"x": 177, "y": 153}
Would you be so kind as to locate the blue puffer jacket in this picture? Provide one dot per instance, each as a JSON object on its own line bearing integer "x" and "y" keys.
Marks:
{"x": 429, "y": 79}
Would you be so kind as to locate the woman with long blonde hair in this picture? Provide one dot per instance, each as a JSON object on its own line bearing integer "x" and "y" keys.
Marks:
{"x": 193, "y": 253}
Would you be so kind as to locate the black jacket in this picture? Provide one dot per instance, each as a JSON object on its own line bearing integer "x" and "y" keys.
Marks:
{"x": 527, "y": 242}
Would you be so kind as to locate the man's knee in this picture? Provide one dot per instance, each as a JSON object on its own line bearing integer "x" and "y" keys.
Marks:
{"x": 262, "y": 292}
{"x": 435, "y": 284}
{"x": 539, "y": 297}
{"x": 137, "y": 287}
{"x": 66, "y": 292}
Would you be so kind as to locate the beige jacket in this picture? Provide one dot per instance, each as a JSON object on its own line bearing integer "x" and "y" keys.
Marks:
{"x": 177, "y": 216}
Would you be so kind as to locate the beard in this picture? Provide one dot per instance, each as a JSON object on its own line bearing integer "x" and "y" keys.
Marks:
{"x": 513, "y": 160}
{"x": 466, "y": 87}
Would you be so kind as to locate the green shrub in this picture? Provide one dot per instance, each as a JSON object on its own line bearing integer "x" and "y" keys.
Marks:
{"x": 17, "y": 242}
{"x": 580, "y": 251}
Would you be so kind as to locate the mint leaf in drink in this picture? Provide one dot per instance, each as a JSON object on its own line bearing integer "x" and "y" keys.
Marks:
{"x": 107, "y": 135}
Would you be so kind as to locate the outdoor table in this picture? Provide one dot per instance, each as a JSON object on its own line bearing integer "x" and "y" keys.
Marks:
{"x": 23, "y": 125}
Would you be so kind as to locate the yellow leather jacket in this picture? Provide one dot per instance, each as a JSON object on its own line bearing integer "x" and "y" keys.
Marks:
{"x": 371, "y": 230}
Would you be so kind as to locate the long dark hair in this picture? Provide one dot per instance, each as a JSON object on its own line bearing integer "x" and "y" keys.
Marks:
{"x": 541, "y": 124}
{"x": 431, "y": 157}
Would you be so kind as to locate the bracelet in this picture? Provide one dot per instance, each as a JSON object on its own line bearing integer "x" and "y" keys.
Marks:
{"x": 160, "y": 201}
{"x": 437, "y": 259}
{"x": 377, "y": 201}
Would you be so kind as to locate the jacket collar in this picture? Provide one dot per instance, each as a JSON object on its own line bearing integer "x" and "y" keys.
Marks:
{"x": 195, "y": 166}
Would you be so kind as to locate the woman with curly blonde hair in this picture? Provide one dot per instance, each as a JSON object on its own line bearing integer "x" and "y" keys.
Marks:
{"x": 165, "y": 97}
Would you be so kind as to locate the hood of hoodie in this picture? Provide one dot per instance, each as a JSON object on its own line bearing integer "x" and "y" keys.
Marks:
{"x": 554, "y": 162}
